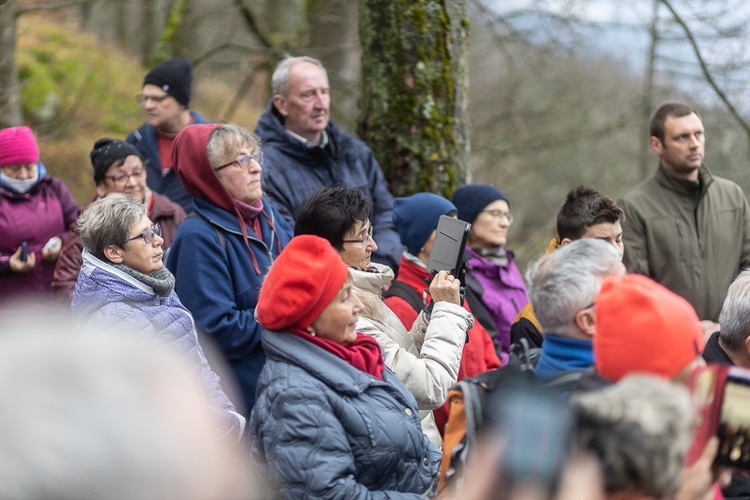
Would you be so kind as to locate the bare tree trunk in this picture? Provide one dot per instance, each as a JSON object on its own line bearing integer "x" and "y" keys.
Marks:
{"x": 151, "y": 23}
{"x": 334, "y": 40}
{"x": 10, "y": 103}
{"x": 414, "y": 92}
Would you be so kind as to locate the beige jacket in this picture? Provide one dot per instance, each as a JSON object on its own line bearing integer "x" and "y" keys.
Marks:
{"x": 425, "y": 359}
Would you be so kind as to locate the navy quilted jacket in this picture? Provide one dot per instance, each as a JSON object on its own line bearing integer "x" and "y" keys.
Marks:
{"x": 292, "y": 171}
{"x": 329, "y": 430}
{"x": 105, "y": 297}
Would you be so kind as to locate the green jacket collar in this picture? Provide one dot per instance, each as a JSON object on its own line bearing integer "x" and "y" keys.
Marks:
{"x": 682, "y": 185}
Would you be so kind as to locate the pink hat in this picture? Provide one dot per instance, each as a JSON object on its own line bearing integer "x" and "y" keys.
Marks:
{"x": 18, "y": 146}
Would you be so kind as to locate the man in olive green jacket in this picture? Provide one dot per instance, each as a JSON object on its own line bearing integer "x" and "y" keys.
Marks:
{"x": 683, "y": 227}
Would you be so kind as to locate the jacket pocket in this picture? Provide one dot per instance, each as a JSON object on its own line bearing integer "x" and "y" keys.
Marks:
{"x": 680, "y": 238}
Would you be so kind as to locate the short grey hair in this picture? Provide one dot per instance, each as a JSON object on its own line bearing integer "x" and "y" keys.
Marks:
{"x": 107, "y": 222}
{"x": 226, "y": 140}
{"x": 567, "y": 280}
{"x": 280, "y": 78}
{"x": 735, "y": 313}
{"x": 88, "y": 417}
{"x": 640, "y": 429}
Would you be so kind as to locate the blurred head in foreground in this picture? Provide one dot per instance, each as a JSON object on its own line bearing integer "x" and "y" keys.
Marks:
{"x": 91, "y": 415}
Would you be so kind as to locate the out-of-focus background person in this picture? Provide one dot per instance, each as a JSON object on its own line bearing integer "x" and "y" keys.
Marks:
{"x": 35, "y": 212}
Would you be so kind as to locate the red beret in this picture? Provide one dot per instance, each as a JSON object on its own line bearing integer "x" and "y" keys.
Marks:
{"x": 301, "y": 283}
{"x": 643, "y": 327}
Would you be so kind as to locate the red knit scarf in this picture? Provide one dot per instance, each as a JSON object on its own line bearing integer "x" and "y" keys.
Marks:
{"x": 364, "y": 354}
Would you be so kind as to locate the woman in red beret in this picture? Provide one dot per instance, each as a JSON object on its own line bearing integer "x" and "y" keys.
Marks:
{"x": 330, "y": 420}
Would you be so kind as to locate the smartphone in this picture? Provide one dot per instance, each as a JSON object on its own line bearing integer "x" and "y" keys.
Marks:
{"x": 24, "y": 252}
{"x": 734, "y": 422}
{"x": 721, "y": 394}
{"x": 538, "y": 429}
{"x": 449, "y": 245}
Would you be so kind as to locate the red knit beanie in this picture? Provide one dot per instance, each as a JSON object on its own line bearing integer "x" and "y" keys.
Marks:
{"x": 18, "y": 146}
{"x": 643, "y": 327}
{"x": 303, "y": 280}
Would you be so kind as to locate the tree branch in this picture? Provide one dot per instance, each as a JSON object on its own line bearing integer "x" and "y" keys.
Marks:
{"x": 705, "y": 70}
{"x": 62, "y": 5}
{"x": 252, "y": 23}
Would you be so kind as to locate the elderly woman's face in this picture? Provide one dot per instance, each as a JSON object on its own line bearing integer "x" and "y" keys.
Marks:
{"x": 128, "y": 178}
{"x": 21, "y": 172}
{"x": 337, "y": 322}
{"x": 242, "y": 178}
{"x": 139, "y": 255}
{"x": 358, "y": 245}
{"x": 490, "y": 229}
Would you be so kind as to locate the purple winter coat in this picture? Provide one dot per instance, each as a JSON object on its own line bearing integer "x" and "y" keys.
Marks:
{"x": 502, "y": 291}
{"x": 46, "y": 210}
{"x": 105, "y": 297}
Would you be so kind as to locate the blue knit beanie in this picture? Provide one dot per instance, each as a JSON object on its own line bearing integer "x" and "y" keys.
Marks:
{"x": 417, "y": 216}
{"x": 473, "y": 198}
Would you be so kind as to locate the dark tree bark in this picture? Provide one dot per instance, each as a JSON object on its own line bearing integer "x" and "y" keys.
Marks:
{"x": 10, "y": 103}
{"x": 414, "y": 92}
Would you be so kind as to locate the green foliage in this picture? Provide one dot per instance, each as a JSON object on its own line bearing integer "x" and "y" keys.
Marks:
{"x": 176, "y": 15}
{"x": 409, "y": 93}
{"x": 93, "y": 87}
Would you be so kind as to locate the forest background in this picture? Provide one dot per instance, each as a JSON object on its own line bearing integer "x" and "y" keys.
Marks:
{"x": 559, "y": 91}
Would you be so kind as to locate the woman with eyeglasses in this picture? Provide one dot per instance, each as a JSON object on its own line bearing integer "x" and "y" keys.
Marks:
{"x": 124, "y": 286}
{"x": 426, "y": 357}
{"x": 118, "y": 167}
{"x": 494, "y": 284}
{"x": 224, "y": 249}
{"x": 35, "y": 212}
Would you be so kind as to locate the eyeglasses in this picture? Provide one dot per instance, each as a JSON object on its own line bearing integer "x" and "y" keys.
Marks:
{"x": 499, "y": 214}
{"x": 148, "y": 235}
{"x": 123, "y": 178}
{"x": 16, "y": 169}
{"x": 143, "y": 99}
{"x": 243, "y": 161}
{"x": 364, "y": 240}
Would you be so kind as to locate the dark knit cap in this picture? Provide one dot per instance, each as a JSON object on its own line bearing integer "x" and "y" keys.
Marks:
{"x": 471, "y": 199}
{"x": 107, "y": 151}
{"x": 417, "y": 216}
{"x": 175, "y": 77}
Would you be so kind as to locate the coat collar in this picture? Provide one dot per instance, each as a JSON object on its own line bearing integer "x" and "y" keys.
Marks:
{"x": 324, "y": 366}
{"x": 682, "y": 185}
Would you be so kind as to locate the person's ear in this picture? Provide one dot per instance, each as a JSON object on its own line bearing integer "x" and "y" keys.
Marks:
{"x": 656, "y": 146}
{"x": 586, "y": 321}
{"x": 746, "y": 346}
{"x": 114, "y": 254}
{"x": 101, "y": 191}
{"x": 280, "y": 104}
{"x": 565, "y": 241}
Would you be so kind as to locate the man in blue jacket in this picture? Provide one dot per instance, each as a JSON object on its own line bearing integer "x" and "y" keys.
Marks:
{"x": 562, "y": 286}
{"x": 165, "y": 97}
{"x": 304, "y": 150}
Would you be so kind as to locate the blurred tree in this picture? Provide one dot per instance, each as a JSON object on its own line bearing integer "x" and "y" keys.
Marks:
{"x": 10, "y": 104}
{"x": 334, "y": 39}
{"x": 414, "y": 92}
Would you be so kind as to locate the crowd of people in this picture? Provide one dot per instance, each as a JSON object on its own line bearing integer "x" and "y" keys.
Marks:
{"x": 285, "y": 319}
